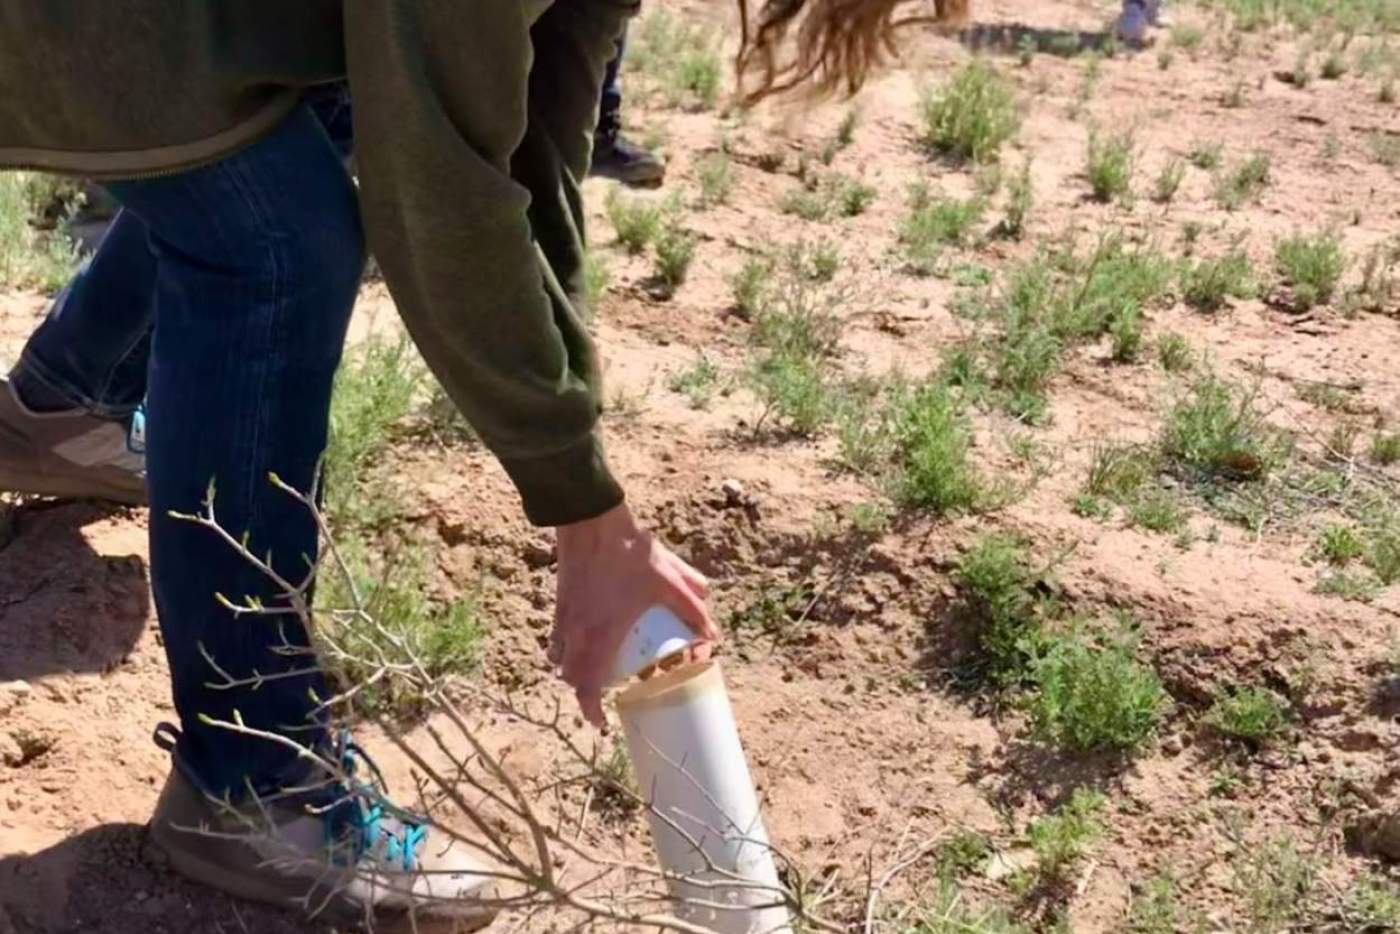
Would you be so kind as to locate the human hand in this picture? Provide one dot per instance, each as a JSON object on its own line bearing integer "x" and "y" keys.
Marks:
{"x": 610, "y": 572}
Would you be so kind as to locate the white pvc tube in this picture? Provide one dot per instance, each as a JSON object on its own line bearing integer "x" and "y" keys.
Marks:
{"x": 704, "y": 815}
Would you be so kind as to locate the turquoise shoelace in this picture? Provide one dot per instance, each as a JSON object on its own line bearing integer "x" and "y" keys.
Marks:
{"x": 372, "y": 810}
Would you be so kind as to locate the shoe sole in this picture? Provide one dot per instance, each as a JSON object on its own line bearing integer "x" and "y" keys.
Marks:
{"x": 18, "y": 480}
{"x": 336, "y": 911}
{"x": 649, "y": 179}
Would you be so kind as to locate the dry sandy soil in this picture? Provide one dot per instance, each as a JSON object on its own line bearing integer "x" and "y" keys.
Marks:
{"x": 856, "y": 737}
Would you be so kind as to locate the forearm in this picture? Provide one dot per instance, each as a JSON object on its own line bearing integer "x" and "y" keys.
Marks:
{"x": 446, "y": 135}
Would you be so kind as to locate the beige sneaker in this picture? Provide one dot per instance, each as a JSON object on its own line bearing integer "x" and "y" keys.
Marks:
{"x": 67, "y": 454}
{"x": 371, "y": 864}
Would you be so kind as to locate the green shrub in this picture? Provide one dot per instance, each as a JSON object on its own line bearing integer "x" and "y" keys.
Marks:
{"x": 1339, "y": 544}
{"x": 675, "y": 249}
{"x": 30, "y": 257}
{"x": 375, "y": 390}
{"x": 795, "y": 390}
{"x": 1206, "y": 285}
{"x": 1169, "y": 181}
{"x": 933, "y": 223}
{"x": 934, "y": 443}
{"x": 1312, "y": 265}
{"x": 1385, "y": 449}
{"x": 999, "y": 593}
{"x": 972, "y": 116}
{"x": 752, "y": 286}
{"x": 1020, "y": 196}
{"x": 637, "y": 221}
{"x": 1061, "y": 839}
{"x": 1174, "y": 353}
{"x": 1205, "y": 154}
{"x": 399, "y": 624}
{"x": 716, "y": 173}
{"x": 1109, "y": 166}
{"x": 1090, "y": 693}
{"x": 1255, "y": 715}
{"x": 853, "y": 197}
{"x": 1243, "y": 185}
{"x": 698, "y": 382}
{"x": 1157, "y": 511}
{"x": 1217, "y": 431}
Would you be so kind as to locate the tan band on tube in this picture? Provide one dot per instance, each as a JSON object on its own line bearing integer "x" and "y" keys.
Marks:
{"x": 673, "y": 688}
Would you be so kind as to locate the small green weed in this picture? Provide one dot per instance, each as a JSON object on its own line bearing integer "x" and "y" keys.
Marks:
{"x": 1063, "y": 838}
{"x": 613, "y": 785}
{"x": 1109, "y": 164}
{"x": 853, "y": 197}
{"x": 375, "y": 390}
{"x": 794, "y": 390}
{"x": 1169, "y": 181}
{"x": 596, "y": 278}
{"x": 1385, "y": 449}
{"x": 1347, "y": 584}
{"x": 1187, "y": 36}
{"x": 934, "y": 443}
{"x": 934, "y": 223}
{"x": 716, "y": 174}
{"x": 445, "y": 639}
{"x": 807, "y": 203}
{"x": 1339, "y": 544}
{"x": 1090, "y": 693}
{"x": 1312, "y": 265}
{"x": 1020, "y": 196}
{"x": 1208, "y": 284}
{"x": 638, "y": 221}
{"x": 1277, "y": 882}
{"x": 1000, "y": 595}
{"x": 963, "y": 853}
{"x": 675, "y": 250}
{"x": 1157, "y": 511}
{"x": 1174, "y": 353}
{"x": 698, "y": 382}
{"x": 1217, "y": 431}
{"x": 31, "y": 257}
{"x": 1206, "y": 154}
{"x": 948, "y": 913}
{"x": 1254, "y": 715}
{"x": 752, "y": 286}
{"x": 1244, "y": 184}
{"x": 1374, "y": 903}
{"x": 1157, "y": 909}
{"x": 1385, "y": 148}
{"x": 1379, "y": 288}
{"x": 972, "y": 116}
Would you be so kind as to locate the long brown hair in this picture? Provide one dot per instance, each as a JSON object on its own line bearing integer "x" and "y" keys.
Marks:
{"x": 837, "y": 44}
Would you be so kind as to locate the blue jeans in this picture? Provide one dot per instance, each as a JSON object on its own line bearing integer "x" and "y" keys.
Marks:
{"x": 93, "y": 350}
{"x": 248, "y": 270}
{"x": 610, "y": 106}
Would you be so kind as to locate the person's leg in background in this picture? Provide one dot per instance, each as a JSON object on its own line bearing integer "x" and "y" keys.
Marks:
{"x": 614, "y": 155}
{"x": 66, "y": 409}
{"x": 66, "y": 417}
{"x": 1136, "y": 19}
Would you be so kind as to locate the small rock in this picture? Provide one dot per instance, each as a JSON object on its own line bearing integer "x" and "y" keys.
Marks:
{"x": 10, "y": 752}
{"x": 1172, "y": 746}
{"x": 1376, "y": 834}
{"x": 11, "y": 693}
{"x": 733, "y": 492}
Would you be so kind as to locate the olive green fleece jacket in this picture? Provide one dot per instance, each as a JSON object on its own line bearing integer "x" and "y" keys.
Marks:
{"x": 473, "y": 124}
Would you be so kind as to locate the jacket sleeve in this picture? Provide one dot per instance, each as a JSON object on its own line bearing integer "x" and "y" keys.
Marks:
{"x": 472, "y": 126}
